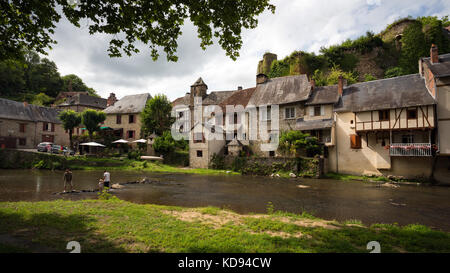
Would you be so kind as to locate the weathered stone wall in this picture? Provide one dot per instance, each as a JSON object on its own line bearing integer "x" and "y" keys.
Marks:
{"x": 301, "y": 166}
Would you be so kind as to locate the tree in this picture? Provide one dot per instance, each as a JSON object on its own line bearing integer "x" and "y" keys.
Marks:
{"x": 43, "y": 77}
{"x": 91, "y": 119}
{"x": 156, "y": 116}
{"x": 72, "y": 82}
{"x": 292, "y": 141}
{"x": 28, "y": 24}
{"x": 70, "y": 120}
{"x": 413, "y": 47}
{"x": 164, "y": 144}
{"x": 42, "y": 99}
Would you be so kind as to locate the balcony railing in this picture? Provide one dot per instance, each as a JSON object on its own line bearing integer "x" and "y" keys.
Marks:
{"x": 410, "y": 149}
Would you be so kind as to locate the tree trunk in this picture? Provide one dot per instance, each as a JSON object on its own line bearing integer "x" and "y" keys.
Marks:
{"x": 70, "y": 138}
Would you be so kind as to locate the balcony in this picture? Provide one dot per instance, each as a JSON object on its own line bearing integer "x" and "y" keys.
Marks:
{"x": 410, "y": 149}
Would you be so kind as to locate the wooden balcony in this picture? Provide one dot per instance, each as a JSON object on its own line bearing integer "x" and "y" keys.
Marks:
{"x": 410, "y": 149}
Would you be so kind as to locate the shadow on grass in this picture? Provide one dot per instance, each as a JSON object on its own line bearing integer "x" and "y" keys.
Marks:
{"x": 50, "y": 232}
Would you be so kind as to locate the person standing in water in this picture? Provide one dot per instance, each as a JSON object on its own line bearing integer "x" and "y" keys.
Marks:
{"x": 106, "y": 179}
{"x": 68, "y": 179}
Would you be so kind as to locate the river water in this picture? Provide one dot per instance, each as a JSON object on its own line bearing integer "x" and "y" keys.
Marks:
{"x": 324, "y": 198}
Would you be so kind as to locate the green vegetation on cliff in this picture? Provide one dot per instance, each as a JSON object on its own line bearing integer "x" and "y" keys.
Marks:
{"x": 393, "y": 52}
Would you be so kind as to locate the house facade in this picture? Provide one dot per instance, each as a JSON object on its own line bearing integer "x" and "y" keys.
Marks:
{"x": 24, "y": 125}
{"x": 124, "y": 116}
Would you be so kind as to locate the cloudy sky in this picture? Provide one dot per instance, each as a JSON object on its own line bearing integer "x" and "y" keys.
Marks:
{"x": 296, "y": 25}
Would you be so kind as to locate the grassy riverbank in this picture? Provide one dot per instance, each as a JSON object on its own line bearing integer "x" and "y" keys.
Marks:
{"x": 120, "y": 226}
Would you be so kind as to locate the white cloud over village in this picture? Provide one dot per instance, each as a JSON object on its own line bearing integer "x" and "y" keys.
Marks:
{"x": 296, "y": 25}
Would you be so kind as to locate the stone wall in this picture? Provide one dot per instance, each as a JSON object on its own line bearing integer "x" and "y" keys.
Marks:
{"x": 301, "y": 166}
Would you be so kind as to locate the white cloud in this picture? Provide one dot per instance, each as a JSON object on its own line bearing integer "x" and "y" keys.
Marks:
{"x": 296, "y": 25}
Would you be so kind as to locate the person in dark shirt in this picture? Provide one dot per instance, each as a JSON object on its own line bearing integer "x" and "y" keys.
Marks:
{"x": 68, "y": 180}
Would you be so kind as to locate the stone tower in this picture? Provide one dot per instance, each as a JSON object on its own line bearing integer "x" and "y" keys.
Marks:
{"x": 198, "y": 89}
{"x": 265, "y": 63}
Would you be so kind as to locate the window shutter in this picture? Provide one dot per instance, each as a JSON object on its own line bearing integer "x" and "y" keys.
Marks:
{"x": 322, "y": 110}
{"x": 43, "y": 126}
{"x": 53, "y": 127}
{"x": 355, "y": 141}
{"x": 311, "y": 111}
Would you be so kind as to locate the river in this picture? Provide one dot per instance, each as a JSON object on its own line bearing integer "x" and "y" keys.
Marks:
{"x": 324, "y": 198}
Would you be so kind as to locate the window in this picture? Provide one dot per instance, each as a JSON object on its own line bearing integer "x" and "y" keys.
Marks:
{"x": 235, "y": 117}
{"x": 355, "y": 141}
{"x": 118, "y": 119}
{"x": 289, "y": 112}
{"x": 383, "y": 115}
{"x": 317, "y": 111}
{"x": 199, "y": 138}
{"x": 130, "y": 134}
{"x": 213, "y": 129}
{"x": 266, "y": 114}
{"x": 180, "y": 114}
{"x": 199, "y": 153}
{"x": 22, "y": 128}
{"x": 181, "y": 129}
{"x": 407, "y": 138}
{"x": 411, "y": 113}
{"x": 271, "y": 153}
{"x": 22, "y": 141}
{"x": 131, "y": 119}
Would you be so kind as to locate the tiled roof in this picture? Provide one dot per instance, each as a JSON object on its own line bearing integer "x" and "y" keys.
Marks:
{"x": 323, "y": 95}
{"x": 441, "y": 69}
{"x": 85, "y": 100}
{"x": 10, "y": 109}
{"x": 303, "y": 125}
{"x": 239, "y": 97}
{"x": 281, "y": 90}
{"x": 129, "y": 104}
{"x": 403, "y": 91}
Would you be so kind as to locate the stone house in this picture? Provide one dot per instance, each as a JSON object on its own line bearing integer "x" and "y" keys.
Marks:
{"x": 384, "y": 127}
{"x": 124, "y": 116}
{"x": 436, "y": 72}
{"x": 80, "y": 101}
{"x": 24, "y": 125}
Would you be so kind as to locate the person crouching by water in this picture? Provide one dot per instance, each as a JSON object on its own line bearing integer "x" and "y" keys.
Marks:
{"x": 105, "y": 181}
{"x": 68, "y": 180}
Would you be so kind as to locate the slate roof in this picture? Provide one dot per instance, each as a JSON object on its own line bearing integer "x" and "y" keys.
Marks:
{"x": 441, "y": 69}
{"x": 323, "y": 95}
{"x": 403, "y": 91}
{"x": 129, "y": 104}
{"x": 281, "y": 90}
{"x": 85, "y": 100}
{"x": 303, "y": 125}
{"x": 10, "y": 109}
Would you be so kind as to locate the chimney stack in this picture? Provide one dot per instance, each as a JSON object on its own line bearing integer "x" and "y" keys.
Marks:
{"x": 313, "y": 84}
{"x": 25, "y": 103}
{"x": 261, "y": 78}
{"x": 434, "y": 54}
{"x": 111, "y": 99}
{"x": 340, "y": 85}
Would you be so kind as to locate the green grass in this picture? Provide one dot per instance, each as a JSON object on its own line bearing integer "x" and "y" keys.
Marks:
{"x": 135, "y": 165}
{"x": 346, "y": 177}
{"x": 120, "y": 226}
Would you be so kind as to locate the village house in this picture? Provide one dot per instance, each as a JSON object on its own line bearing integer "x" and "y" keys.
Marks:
{"x": 397, "y": 126}
{"x": 24, "y": 125}
{"x": 384, "y": 127}
{"x": 124, "y": 116}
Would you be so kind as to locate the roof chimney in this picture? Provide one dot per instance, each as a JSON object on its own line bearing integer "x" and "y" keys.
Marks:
{"x": 340, "y": 85}
{"x": 313, "y": 83}
{"x": 434, "y": 54}
{"x": 25, "y": 103}
{"x": 111, "y": 99}
{"x": 261, "y": 78}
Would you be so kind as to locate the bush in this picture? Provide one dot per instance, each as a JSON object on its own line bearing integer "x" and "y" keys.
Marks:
{"x": 291, "y": 142}
{"x": 394, "y": 72}
{"x": 238, "y": 164}
{"x": 217, "y": 162}
{"x": 134, "y": 155}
